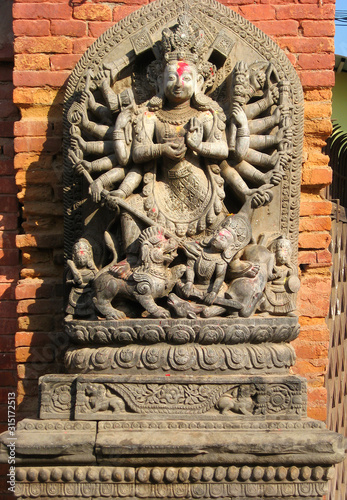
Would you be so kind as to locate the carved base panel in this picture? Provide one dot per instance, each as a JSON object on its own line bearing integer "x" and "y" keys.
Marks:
{"x": 172, "y": 482}
{"x": 110, "y": 397}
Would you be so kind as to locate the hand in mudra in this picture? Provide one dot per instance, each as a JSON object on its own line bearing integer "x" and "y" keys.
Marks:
{"x": 195, "y": 134}
{"x": 174, "y": 150}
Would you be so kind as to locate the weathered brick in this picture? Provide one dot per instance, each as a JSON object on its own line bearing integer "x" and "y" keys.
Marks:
{"x": 69, "y": 28}
{"x": 53, "y": 44}
{"x": 38, "y": 95}
{"x": 315, "y": 224}
{"x": 318, "y": 127}
{"x": 90, "y": 12}
{"x": 311, "y": 303}
{"x": 314, "y": 240}
{"x": 6, "y": 72}
{"x": 7, "y": 361}
{"x": 8, "y": 203}
{"x": 23, "y": 144}
{"x": 41, "y": 323}
{"x": 31, "y": 28}
{"x": 31, "y": 62}
{"x": 81, "y": 45}
{"x": 8, "y": 275}
{"x": 311, "y": 350}
{"x": 37, "y": 193}
{"x": 38, "y": 306}
{"x": 323, "y": 95}
{"x": 64, "y": 61}
{"x": 317, "y": 78}
{"x": 96, "y": 28}
{"x": 8, "y": 326}
{"x": 324, "y": 257}
{"x": 317, "y": 413}
{"x": 305, "y": 12}
{"x": 33, "y": 128}
{"x": 320, "y": 109}
{"x": 7, "y": 291}
{"x": 316, "y": 61}
{"x": 37, "y": 78}
{"x": 121, "y": 11}
{"x": 8, "y": 379}
{"x": 318, "y": 28}
{"x": 307, "y": 257}
{"x": 257, "y": 12}
{"x": 317, "y": 176}
{"x": 39, "y": 240}
{"x": 35, "y": 354}
{"x": 278, "y": 28}
{"x": 36, "y": 176}
{"x": 40, "y": 270}
{"x": 306, "y": 45}
{"x": 27, "y": 289}
{"x": 7, "y": 308}
{"x": 27, "y": 388}
{"x": 41, "y": 112}
{"x": 52, "y": 10}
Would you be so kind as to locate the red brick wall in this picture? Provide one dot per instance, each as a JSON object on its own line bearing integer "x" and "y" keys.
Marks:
{"x": 50, "y": 37}
{"x": 9, "y": 213}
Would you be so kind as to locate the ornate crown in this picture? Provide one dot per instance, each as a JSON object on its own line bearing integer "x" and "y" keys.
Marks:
{"x": 183, "y": 42}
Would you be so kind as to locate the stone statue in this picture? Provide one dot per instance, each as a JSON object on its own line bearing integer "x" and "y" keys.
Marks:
{"x": 151, "y": 279}
{"x": 81, "y": 271}
{"x": 284, "y": 282}
{"x": 181, "y": 161}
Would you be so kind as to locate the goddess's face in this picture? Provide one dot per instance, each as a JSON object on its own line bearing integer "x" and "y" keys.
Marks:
{"x": 180, "y": 78}
{"x": 81, "y": 253}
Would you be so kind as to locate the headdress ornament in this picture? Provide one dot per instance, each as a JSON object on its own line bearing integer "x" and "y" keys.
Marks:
{"x": 184, "y": 41}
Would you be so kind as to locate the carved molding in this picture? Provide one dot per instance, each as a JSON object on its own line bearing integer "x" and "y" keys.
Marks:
{"x": 205, "y": 332}
{"x": 188, "y": 357}
{"x": 172, "y": 482}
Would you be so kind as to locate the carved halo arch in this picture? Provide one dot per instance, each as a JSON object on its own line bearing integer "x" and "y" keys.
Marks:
{"x": 229, "y": 37}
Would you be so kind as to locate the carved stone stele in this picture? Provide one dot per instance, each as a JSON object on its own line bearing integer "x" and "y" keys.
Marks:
{"x": 183, "y": 132}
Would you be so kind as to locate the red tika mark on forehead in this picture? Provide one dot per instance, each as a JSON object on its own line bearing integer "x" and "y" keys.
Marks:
{"x": 182, "y": 66}
{"x": 82, "y": 252}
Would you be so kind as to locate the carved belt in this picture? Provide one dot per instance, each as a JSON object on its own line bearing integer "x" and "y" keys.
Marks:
{"x": 184, "y": 171}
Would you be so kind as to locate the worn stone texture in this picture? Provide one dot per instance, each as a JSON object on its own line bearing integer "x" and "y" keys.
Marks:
{"x": 42, "y": 102}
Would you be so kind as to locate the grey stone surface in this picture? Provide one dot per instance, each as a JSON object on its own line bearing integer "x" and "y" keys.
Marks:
{"x": 113, "y": 397}
{"x": 187, "y": 173}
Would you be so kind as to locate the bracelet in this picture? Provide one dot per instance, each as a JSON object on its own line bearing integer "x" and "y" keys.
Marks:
{"x": 156, "y": 150}
{"x": 243, "y": 132}
{"x": 126, "y": 189}
{"x": 118, "y": 135}
{"x": 206, "y": 150}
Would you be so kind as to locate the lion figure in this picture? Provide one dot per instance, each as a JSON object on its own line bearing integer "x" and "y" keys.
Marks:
{"x": 152, "y": 279}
